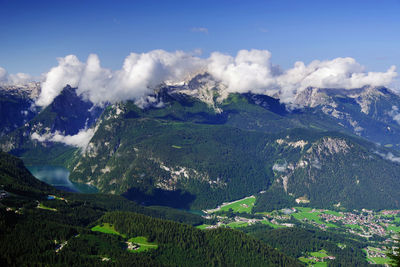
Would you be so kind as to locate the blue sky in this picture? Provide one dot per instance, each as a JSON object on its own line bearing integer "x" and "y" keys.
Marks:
{"x": 34, "y": 33}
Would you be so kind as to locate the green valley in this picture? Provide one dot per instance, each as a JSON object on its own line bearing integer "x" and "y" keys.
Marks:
{"x": 370, "y": 230}
{"x": 104, "y": 230}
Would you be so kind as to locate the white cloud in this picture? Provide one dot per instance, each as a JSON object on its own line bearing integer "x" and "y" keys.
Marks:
{"x": 14, "y": 79}
{"x": 395, "y": 114}
{"x": 81, "y": 139}
{"x": 199, "y": 29}
{"x": 339, "y": 73}
{"x": 280, "y": 167}
{"x": 248, "y": 71}
{"x": 68, "y": 71}
{"x": 252, "y": 71}
{"x": 389, "y": 156}
{"x": 137, "y": 78}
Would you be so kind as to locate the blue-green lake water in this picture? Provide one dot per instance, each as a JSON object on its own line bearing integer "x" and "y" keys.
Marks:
{"x": 58, "y": 177}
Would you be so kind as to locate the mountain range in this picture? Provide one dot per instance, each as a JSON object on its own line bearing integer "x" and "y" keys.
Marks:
{"x": 189, "y": 145}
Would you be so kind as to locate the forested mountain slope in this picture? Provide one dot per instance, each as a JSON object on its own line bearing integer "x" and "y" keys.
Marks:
{"x": 57, "y": 230}
{"x": 196, "y": 152}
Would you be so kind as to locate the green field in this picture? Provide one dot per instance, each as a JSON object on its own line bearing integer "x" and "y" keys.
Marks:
{"x": 177, "y": 147}
{"x": 241, "y": 224}
{"x": 203, "y": 226}
{"x": 393, "y": 228}
{"x": 243, "y": 205}
{"x": 320, "y": 254}
{"x": 376, "y": 260}
{"x": 320, "y": 264}
{"x": 335, "y": 213}
{"x": 311, "y": 262}
{"x": 306, "y": 213}
{"x": 380, "y": 260}
{"x": 143, "y": 243}
{"x": 264, "y": 213}
{"x": 237, "y": 224}
{"x": 306, "y": 260}
{"x": 107, "y": 229}
{"x": 41, "y": 206}
{"x": 386, "y": 215}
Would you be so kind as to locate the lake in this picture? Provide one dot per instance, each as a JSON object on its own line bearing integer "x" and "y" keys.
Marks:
{"x": 58, "y": 177}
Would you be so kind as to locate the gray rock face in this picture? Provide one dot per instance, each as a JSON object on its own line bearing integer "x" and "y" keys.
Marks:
{"x": 17, "y": 105}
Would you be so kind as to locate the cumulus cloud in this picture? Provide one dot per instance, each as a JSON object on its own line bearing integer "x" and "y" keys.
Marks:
{"x": 395, "y": 114}
{"x": 81, "y": 139}
{"x": 137, "y": 78}
{"x": 248, "y": 71}
{"x": 389, "y": 156}
{"x": 339, "y": 73}
{"x": 14, "y": 79}
{"x": 68, "y": 71}
{"x": 252, "y": 71}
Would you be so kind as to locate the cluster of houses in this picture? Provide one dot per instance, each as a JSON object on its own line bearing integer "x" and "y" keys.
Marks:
{"x": 272, "y": 219}
{"x": 321, "y": 226}
{"x": 371, "y": 224}
{"x": 390, "y": 212}
{"x": 375, "y": 253}
{"x": 322, "y": 259}
{"x": 132, "y": 246}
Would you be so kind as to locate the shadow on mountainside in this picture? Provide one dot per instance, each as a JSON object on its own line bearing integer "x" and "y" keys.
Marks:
{"x": 159, "y": 197}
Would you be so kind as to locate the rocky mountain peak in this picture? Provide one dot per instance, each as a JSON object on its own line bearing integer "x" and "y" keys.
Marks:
{"x": 30, "y": 90}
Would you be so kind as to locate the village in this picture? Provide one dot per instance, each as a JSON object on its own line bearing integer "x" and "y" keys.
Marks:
{"x": 365, "y": 223}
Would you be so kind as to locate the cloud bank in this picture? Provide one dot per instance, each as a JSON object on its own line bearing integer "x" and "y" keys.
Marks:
{"x": 248, "y": 71}
{"x": 252, "y": 71}
{"x": 14, "y": 79}
{"x": 137, "y": 78}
